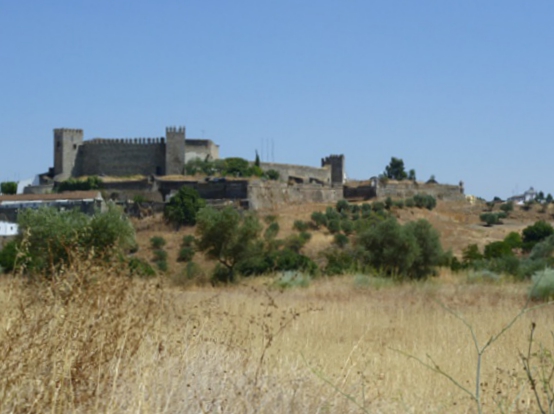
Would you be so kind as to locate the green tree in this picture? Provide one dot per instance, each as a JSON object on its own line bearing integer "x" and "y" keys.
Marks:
{"x": 272, "y": 174}
{"x": 183, "y": 207}
{"x": 490, "y": 219}
{"x": 257, "y": 160}
{"x": 507, "y": 207}
{"x": 227, "y": 237}
{"x": 238, "y": 167}
{"x": 471, "y": 254}
{"x": 395, "y": 170}
{"x": 497, "y": 249}
{"x": 513, "y": 239}
{"x": 429, "y": 249}
{"x": 412, "y": 175}
{"x": 52, "y": 237}
{"x": 536, "y": 233}
{"x": 8, "y": 187}
{"x": 388, "y": 248}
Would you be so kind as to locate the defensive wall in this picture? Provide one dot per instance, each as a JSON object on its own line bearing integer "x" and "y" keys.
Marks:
{"x": 256, "y": 194}
{"x": 205, "y": 149}
{"x": 272, "y": 194}
{"x": 331, "y": 171}
{"x": 120, "y": 157}
{"x": 299, "y": 173}
{"x": 75, "y": 157}
{"x": 365, "y": 190}
{"x": 406, "y": 189}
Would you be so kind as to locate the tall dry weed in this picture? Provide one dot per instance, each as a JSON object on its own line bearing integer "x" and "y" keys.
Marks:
{"x": 67, "y": 337}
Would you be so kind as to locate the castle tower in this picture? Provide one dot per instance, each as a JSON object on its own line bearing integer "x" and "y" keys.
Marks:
{"x": 66, "y": 146}
{"x": 336, "y": 163}
{"x": 174, "y": 150}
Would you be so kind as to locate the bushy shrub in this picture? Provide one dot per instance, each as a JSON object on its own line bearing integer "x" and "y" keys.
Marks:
{"x": 527, "y": 267}
{"x": 50, "y": 235}
{"x": 157, "y": 242}
{"x": 543, "y": 285}
{"x": 366, "y": 207}
{"x": 188, "y": 241}
{"x": 411, "y": 251}
{"x": 398, "y": 203}
{"x": 182, "y": 208}
{"x": 425, "y": 201}
{"x": 509, "y": 265}
{"x": 378, "y": 206}
{"x": 300, "y": 225}
{"x": 186, "y": 254}
{"x": 507, "y": 207}
{"x": 343, "y": 206}
{"x": 347, "y": 226}
{"x": 340, "y": 240}
{"x": 471, "y": 254}
{"x": 228, "y": 237}
{"x": 140, "y": 268}
{"x": 8, "y": 256}
{"x": 75, "y": 184}
{"x": 339, "y": 262}
{"x": 388, "y": 203}
{"x": 536, "y": 233}
{"x": 543, "y": 249}
{"x": 490, "y": 219}
{"x": 287, "y": 259}
{"x": 409, "y": 202}
{"x": 333, "y": 226}
{"x": 272, "y": 175}
{"x": 332, "y": 214}
{"x": 513, "y": 239}
{"x": 8, "y": 187}
{"x": 271, "y": 231}
{"x": 319, "y": 219}
{"x": 497, "y": 249}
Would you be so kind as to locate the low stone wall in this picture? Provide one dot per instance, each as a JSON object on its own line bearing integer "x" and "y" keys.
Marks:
{"x": 223, "y": 189}
{"x": 307, "y": 174}
{"x": 361, "y": 192}
{"x": 271, "y": 194}
{"x": 406, "y": 189}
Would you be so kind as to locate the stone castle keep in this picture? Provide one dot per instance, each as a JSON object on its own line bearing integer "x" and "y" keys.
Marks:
{"x": 74, "y": 157}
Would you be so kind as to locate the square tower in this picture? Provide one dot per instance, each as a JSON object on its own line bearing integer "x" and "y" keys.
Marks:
{"x": 174, "y": 150}
{"x": 66, "y": 145}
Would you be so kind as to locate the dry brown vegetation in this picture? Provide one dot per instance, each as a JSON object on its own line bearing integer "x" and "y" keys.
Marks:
{"x": 93, "y": 340}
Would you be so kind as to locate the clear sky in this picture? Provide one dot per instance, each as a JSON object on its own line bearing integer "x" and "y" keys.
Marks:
{"x": 459, "y": 89}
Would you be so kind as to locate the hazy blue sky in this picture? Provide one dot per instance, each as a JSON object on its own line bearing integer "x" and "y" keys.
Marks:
{"x": 459, "y": 89}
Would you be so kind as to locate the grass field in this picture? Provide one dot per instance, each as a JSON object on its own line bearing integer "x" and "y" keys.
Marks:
{"x": 94, "y": 341}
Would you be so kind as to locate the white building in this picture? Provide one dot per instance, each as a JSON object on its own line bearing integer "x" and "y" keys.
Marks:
{"x": 8, "y": 229}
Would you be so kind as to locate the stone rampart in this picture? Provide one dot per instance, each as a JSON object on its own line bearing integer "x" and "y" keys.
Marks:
{"x": 272, "y": 194}
{"x": 359, "y": 192}
{"x": 211, "y": 190}
{"x": 120, "y": 157}
{"x": 406, "y": 189}
{"x": 300, "y": 173}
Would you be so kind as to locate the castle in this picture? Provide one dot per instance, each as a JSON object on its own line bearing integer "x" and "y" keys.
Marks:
{"x": 75, "y": 157}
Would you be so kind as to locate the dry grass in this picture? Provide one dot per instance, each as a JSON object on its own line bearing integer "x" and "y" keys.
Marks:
{"x": 106, "y": 343}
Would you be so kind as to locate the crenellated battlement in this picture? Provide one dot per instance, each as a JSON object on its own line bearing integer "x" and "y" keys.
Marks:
{"x": 173, "y": 129}
{"x": 126, "y": 141}
{"x": 67, "y": 130}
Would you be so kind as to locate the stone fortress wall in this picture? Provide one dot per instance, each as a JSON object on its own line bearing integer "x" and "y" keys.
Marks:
{"x": 158, "y": 157}
{"x": 74, "y": 157}
{"x": 121, "y": 157}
